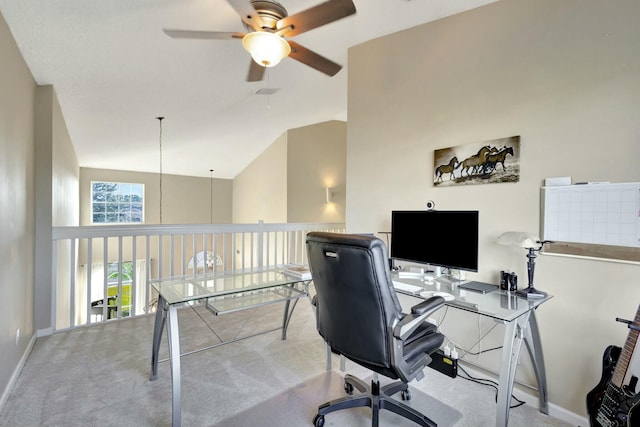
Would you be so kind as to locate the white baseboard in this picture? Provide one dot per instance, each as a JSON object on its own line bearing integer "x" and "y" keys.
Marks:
{"x": 44, "y": 332}
{"x": 16, "y": 373}
{"x": 531, "y": 399}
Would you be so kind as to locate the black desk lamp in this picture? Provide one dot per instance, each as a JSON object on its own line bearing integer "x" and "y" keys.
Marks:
{"x": 533, "y": 244}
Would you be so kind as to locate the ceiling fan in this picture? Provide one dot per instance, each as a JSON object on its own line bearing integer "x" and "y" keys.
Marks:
{"x": 267, "y": 23}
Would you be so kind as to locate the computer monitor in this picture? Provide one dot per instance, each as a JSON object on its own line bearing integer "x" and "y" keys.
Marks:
{"x": 439, "y": 238}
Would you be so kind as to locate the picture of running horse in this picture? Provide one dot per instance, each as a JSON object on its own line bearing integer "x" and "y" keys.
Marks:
{"x": 492, "y": 161}
{"x": 448, "y": 168}
{"x": 471, "y": 165}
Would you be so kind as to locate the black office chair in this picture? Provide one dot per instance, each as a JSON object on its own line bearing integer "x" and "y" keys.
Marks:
{"x": 359, "y": 316}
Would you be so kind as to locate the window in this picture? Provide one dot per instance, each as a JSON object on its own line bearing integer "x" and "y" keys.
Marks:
{"x": 116, "y": 202}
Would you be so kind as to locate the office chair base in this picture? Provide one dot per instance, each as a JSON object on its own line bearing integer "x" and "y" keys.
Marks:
{"x": 376, "y": 398}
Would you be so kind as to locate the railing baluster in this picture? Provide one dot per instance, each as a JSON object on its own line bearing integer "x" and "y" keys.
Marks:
{"x": 54, "y": 283}
{"x": 204, "y": 253}
{"x": 105, "y": 289}
{"x": 194, "y": 257}
{"x": 119, "y": 296}
{"x": 148, "y": 271}
{"x": 72, "y": 284}
{"x": 171, "y": 259}
{"x": 88, "y": 265}
{"x": 160, "y": 255}
{"x": 133, "y": 287}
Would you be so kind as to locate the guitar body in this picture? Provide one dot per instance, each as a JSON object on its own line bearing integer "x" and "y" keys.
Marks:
{"x": 618, "y": 410}
{"x": 611, "y": 403}
{"x": 595, "y": 396}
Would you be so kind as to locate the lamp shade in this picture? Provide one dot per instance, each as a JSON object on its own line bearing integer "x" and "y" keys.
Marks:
{"x": 519, "y": 238}
{"x": 266, "y": 48}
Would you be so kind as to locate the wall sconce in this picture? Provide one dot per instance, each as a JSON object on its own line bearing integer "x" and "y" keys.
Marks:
{"x": 328, "y": 193}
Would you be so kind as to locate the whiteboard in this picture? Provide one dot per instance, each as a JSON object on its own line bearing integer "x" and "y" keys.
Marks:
{"x": 604, "y": 214}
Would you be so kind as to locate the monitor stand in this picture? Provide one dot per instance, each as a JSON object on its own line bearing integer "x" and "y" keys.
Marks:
{"x": 429, "y": 279}
{"x": 432, "y": 275}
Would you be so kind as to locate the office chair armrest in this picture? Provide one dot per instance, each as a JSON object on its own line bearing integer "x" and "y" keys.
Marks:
{"x": 419, "y": 314}
{"x": 429, "y": 305}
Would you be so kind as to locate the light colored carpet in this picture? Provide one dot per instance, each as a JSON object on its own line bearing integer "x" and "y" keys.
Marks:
{"x": 298, "y": 405}
{"x": 100, "y": 376}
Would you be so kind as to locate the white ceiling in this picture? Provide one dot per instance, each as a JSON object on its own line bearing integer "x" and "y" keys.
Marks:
{"x": 114, "y": 71}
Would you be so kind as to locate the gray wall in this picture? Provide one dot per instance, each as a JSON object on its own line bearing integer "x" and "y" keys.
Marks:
{"x": 17, "y": 202}
{"x": 56, "y": 191}
{"x": 561, "y": 74}
{"x": 39, "y": 172}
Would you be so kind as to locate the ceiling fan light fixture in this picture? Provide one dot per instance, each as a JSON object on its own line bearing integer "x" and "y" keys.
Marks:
{"x": 266, "y": 49}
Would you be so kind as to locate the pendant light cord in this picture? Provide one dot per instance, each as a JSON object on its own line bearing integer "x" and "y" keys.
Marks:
{"x": 211, "y": 196}
{"x": 160, "y": 123}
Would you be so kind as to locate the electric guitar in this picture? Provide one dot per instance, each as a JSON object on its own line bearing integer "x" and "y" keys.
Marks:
{"x": 609, "y": 404}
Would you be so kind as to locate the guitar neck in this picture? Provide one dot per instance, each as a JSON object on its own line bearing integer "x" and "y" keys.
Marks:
{"x": 625, "y": 355}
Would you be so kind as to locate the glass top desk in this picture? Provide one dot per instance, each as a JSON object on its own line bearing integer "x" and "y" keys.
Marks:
{"x": 518, "y": 316}
{"x": 220, "y": 293}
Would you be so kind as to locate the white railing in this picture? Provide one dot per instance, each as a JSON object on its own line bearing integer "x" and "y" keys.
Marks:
{"x": 101, "y": 273}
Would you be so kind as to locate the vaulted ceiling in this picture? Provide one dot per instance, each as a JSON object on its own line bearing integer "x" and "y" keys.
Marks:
{"x": 114, "y": 71}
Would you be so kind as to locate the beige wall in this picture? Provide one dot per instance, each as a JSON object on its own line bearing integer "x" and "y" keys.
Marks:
{"x": 563, "y": 76}
{"x": 185, "y": 199}
{"x": 56, "y": 176}
{"x": 17, "y": 204}
{"x": 316, "y": 159}
{"x": 287, "y": 182}
{"x": 260, "y": 190}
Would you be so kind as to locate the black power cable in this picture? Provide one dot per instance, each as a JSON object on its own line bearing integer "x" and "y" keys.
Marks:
{"x": 487, "y": 382}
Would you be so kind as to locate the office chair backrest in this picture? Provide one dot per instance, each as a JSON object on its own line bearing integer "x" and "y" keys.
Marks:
{"x": 356, "y": 303}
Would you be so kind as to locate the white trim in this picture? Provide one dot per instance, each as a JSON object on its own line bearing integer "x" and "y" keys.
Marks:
{"x": 531, "y": 398}
{"x": 16, "y": 373}
{"x": 44, "y": 332}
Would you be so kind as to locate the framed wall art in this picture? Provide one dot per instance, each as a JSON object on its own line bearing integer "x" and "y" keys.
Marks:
{"x": 493, "y": 161}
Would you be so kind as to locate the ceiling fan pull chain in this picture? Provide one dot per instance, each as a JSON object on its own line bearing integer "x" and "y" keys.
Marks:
{"x": 268, "y": 87}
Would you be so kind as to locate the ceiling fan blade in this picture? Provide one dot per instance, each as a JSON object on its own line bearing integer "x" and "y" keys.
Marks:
{"x": 313, "y": 60}
{"x": 203, "y": 35}
{"x": 256, "y": 72}
{"x": 317, "y": 16}
{"x": 247, "y": 13}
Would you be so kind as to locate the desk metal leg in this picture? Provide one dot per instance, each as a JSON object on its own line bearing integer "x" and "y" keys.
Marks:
{"x": 157, "y": 336}
{"x": 287, "y": 316}
{"x": 174, "y": 357}
{"x": 513, "y": 336}
{"x": 534, "y": 347}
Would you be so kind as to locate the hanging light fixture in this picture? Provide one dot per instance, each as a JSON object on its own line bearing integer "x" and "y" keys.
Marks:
{"x": 266, "y": 49}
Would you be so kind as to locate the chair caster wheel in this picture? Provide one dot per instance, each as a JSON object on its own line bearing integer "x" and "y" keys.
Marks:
{"x": 348, "y": 388}
{"x": 406, "y": 395}
{"x": 318, "y": 420}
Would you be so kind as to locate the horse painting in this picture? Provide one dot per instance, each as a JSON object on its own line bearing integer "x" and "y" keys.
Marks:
{"x": 479, "y": 163}
{"x": 448, "y": 168}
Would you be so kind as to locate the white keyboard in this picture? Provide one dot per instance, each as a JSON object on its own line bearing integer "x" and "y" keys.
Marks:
{"x": 405, "y": 287}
